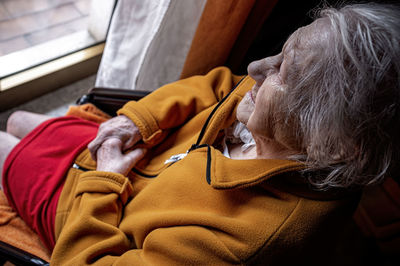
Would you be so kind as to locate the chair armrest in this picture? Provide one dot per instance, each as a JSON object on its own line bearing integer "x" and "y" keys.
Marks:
{"x": 18, "y": 256}
{"x": 110, "y": 100}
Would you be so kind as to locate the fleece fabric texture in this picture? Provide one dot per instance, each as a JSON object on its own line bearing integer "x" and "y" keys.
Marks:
{"x": 205, "y": 209}
{"x": 14, "y": 231}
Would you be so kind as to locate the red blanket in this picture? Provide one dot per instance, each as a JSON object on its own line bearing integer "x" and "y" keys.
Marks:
{"x": 34, "y": 171}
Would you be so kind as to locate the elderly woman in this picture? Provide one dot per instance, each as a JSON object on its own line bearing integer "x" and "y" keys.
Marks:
{"x": 219, "y": 169}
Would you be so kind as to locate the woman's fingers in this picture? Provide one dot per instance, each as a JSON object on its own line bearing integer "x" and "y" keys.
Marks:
{"x": 110, "y": 157}
{"x": 135, "y": 155}
{"x": 120, "y": 127}
{"x": 93, "y": 146}
{"x": 133, "y": 139}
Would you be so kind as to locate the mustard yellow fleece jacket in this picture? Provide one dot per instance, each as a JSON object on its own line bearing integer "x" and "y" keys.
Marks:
{"x": 204, "y": 209}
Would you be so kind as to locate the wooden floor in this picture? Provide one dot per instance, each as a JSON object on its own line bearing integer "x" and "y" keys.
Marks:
{"x": 25, "y": 23}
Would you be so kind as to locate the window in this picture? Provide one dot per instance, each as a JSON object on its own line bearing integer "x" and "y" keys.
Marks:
{"x": 34, "y": 33}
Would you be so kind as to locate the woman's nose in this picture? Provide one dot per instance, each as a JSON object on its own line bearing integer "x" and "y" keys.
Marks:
{"x": 257, "y": 70}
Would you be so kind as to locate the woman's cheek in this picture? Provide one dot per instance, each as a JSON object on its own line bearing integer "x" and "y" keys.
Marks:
{"x": 245, "y": 109}
{"x": 261, "y": 120}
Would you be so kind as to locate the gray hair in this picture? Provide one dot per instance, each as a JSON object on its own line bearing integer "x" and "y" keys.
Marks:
{"x": 346, "y": 101}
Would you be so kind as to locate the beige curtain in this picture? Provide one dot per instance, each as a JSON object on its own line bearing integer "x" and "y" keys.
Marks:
{"x": 148, "y": 42}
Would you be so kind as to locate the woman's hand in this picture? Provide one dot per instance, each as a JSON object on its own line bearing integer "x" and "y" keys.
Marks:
{"x": 119, "y": 127}
{"x": 111, "y": 159}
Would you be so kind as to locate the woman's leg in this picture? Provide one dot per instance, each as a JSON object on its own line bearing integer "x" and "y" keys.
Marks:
{"x": 7, "y": 143}
{"x": 20, "y": 123}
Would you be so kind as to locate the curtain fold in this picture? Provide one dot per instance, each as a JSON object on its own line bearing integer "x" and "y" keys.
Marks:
{"x": 147, "y": 43}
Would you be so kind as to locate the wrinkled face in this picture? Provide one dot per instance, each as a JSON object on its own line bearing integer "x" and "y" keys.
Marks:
{"x": 274, "y": 75}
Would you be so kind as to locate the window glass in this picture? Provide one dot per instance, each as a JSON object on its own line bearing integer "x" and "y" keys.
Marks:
{"x": 33, "y": 32}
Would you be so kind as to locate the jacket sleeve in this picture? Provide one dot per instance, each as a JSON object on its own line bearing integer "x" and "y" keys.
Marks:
{"x": 92, "y": 235}
{"x": 175, "y": 103}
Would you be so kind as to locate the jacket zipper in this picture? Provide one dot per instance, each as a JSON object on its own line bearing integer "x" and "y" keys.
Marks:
{"x": 143, "y": 174}
{"x": 76, "y": 166}
{"x": 203, "y": 130}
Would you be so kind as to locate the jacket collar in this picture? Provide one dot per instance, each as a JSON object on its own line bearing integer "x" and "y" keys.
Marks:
{"x": 225, "y": 173}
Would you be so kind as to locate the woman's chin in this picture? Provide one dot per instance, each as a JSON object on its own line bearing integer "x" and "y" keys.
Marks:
{"x": 243, "y": 115}
{"x": 245, "y": 109}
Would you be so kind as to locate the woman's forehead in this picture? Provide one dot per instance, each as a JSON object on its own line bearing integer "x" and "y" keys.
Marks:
{"x": 304, "y": 37}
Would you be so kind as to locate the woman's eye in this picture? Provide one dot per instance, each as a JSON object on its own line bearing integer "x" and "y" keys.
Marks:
{"x": 280, "y": 78}
{"x": 281, "y": 72}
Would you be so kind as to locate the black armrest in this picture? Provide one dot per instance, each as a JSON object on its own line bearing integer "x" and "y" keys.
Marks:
{"x": 18, "y": 256}
{"x": 110, "y": 100}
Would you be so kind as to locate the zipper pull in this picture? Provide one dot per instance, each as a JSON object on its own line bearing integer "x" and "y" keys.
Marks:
{"x": 178, "y": 157}
{"x": 175, "y": 158}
